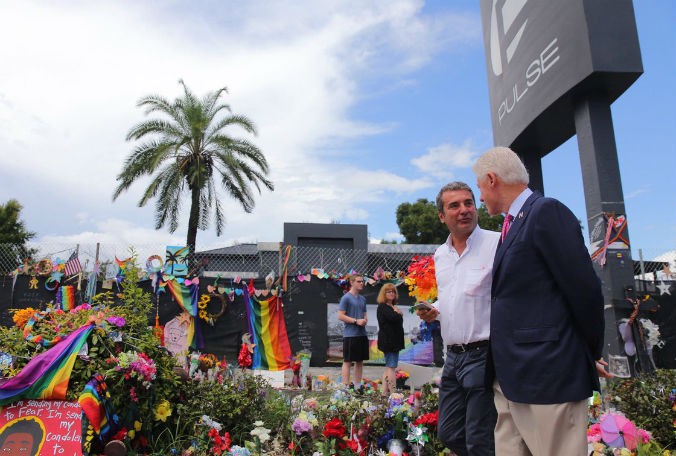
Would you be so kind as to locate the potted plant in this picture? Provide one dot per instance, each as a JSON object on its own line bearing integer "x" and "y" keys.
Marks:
{"x": 402, "y": 377}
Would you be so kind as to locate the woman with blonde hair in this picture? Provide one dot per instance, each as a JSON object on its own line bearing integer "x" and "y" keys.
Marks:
{"x": 390, "y": 333}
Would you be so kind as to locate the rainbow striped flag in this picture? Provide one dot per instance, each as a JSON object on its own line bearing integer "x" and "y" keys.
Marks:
{"x": 186, "y": 296}
{"x": 267, "y": 325}
{"x": 96, "y": 405}
{"x": 46, "y": 376}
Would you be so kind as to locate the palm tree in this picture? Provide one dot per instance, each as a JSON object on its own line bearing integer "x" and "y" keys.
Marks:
{"x": 190, "y": 151}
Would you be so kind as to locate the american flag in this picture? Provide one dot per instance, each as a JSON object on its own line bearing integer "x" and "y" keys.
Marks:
{"x": 73, "y": 265}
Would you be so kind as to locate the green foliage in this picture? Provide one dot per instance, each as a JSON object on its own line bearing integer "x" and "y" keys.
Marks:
{"x": 188, "y": 150}
{"x": 13, "y": 236}
{"x": 488, "y": 222}
{"x": 235, "y": 405}
{"x": 646, "y": 400}
{"x": 419, "y": 223}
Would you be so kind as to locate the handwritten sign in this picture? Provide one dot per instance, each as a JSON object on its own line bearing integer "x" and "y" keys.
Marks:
{"x": 42, "y": 428}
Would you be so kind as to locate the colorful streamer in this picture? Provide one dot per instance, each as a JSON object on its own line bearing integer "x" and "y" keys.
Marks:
{"x": 46, "y": 376}
{"x": 67, "y": 297}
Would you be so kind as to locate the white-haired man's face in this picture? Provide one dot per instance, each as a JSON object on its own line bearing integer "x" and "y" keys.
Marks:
{"x": 489, "y": 196}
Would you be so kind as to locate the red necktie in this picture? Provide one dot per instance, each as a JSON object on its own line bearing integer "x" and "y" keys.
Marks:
{"x": 505, "y": 225}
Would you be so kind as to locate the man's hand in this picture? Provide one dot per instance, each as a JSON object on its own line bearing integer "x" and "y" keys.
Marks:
{"x": 427, "y": 315}
{"x": 601, "y": 369}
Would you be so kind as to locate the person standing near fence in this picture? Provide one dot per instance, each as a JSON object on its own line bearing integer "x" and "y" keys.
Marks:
{"x": 352, "y": 312}
{"x": 390, "y": 333}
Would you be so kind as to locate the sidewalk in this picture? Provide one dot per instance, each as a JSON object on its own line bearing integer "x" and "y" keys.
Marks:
{"x": 419, "y": 375}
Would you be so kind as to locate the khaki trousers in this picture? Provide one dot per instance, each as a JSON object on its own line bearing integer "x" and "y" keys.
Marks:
{"x": 539, "y": 429}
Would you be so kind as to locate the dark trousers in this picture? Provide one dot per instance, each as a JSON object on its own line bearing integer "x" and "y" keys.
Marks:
{"x": 467, "y": 413}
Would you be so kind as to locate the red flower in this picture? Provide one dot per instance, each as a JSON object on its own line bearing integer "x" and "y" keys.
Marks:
{"x": 353, "y": 445}
{"x": 428, "y": 419}
{"x": 244, "y": 357}
{"x": 334, "y": 428}
{"x": 221, "y": 444}
{"x": 121, "y": 434}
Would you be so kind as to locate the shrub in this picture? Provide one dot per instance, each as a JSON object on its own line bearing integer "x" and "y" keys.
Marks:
{"x": 648, "y": 400}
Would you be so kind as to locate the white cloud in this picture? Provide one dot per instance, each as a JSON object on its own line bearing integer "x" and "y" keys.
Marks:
{"x": 74, "y": 72}
{"x": 637, "y": 192}
{"x": 441, "y": 161}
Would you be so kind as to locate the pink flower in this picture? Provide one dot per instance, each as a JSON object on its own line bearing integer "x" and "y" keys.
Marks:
{"x": 117, "y": 321}
{"x": 644, "y": 436}
{"x": 594, "y": 433}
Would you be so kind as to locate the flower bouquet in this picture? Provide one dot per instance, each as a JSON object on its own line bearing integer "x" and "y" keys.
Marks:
{"x": 615, "y": 431}
{"x": 401, "y": 377}
{"x": 421, "y": 279}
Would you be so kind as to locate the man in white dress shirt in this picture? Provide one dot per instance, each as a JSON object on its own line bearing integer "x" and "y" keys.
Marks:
{"x": 463, "y": 267}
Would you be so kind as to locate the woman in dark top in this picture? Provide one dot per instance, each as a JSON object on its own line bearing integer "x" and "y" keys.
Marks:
{"x": 390, "y": 333}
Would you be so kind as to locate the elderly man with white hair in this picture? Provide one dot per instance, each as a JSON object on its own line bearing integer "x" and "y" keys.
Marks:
{"x": 546, "y": 329}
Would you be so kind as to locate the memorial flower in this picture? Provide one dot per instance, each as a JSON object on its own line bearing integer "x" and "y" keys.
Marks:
{"x": 421, "y": 279}
{"x": 162, "y": 411}
{"x": 402, "y": 374}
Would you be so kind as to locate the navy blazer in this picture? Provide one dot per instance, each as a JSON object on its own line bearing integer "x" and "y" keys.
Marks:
{"x": 547, "y": 320}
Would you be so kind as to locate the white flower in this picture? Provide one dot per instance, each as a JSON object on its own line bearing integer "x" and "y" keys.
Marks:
{"x": 258, "y": 423}
{"x": 211, "y": 423}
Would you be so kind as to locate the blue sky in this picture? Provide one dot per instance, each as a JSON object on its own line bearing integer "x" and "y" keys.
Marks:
{"x": 360, "y": 106}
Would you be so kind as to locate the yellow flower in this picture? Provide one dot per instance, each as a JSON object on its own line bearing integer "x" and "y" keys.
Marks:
{"x": 162, "y": 411}
{"x": 137, "y": 425}
{"x": 131, "y": 434}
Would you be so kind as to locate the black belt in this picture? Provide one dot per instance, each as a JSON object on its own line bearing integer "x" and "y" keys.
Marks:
{"x": 462, "y": 348}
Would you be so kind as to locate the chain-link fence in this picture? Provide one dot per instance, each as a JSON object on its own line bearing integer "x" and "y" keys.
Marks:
{"x": 255, "y": 260}
{"x": 243, "y": 260}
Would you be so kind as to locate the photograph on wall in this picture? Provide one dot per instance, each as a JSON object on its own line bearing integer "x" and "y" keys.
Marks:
{"x": 418, "y": 348}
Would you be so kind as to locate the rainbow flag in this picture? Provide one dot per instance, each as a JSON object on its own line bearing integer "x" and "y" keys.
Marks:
{"x": 46, "y": 376}
{"x": 186, "y": 296}
{"x": 96, "y": 405}
{"x": 267, "y": 325}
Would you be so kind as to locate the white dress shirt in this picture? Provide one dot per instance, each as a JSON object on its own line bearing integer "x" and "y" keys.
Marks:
{"x": 464, "y": 285}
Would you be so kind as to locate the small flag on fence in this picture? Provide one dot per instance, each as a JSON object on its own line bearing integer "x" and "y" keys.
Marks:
{"x": 73, "y": 265}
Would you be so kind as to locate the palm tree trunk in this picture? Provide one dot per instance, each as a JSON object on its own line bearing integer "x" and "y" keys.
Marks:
{"x": 193, "y": 222}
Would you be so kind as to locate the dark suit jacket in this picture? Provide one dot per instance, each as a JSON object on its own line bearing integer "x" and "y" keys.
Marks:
{"x": 547, "y": 319}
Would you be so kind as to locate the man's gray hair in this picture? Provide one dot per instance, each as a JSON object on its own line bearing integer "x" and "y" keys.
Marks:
{"x": 504, "y": 162}
{"x": 451, "y": 187}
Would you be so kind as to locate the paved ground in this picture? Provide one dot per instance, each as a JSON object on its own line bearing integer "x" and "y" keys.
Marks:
{"x": 418, "y": 374}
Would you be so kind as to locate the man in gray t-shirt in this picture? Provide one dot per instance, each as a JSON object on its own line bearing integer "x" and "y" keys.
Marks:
{"x": 352, "y": 312}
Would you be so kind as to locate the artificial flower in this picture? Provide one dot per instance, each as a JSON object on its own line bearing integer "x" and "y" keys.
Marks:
{"x": 116, "y": 321}
{"x": 239, "y": 451}
{"x": 162, "y": 411}
{"x": 334, "y": 428}
{"x": 22, "y": 316}
{"x": 594, "y": 433}
{"x": 428, "y": 419}
{"x": 421, "y": 280}
{"x": 402, "y": 374}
